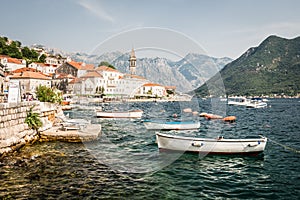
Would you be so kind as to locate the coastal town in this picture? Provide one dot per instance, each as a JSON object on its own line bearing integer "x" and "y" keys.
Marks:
{"x": 34, "y": 94}
{"x": 72, "y": 78}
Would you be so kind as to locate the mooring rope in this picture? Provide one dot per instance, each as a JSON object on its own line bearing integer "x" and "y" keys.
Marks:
{"x": 284, "y": 146}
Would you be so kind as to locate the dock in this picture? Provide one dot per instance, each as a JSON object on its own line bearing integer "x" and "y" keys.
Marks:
{"x": 90, "y": 133}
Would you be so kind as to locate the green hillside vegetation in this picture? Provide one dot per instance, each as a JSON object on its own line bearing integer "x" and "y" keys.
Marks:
{"x": 107, "y": 64}
{"x": 271, "y": 68}
{"x": 14, "y": 49}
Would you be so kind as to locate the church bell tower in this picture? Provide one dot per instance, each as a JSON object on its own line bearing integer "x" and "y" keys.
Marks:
{"x": 132, "y": 63}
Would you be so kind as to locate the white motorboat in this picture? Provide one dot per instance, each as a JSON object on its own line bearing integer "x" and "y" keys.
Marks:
{"x": 257, "y": 103}
{"x": 238, "y": 101}
{"x": 119, "y": 114}
{"x": 218, "y": 145}
{"x": 173, "y": 125}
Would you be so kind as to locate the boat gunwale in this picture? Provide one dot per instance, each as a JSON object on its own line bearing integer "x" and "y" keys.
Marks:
{"x": 261, "y": 139}
{"x": 254, "y": 153}
{"x": 173, "y": 122}
{"x": 131, "y": 111}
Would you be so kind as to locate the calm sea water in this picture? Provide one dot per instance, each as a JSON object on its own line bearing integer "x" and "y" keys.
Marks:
{"x": 125, "y": 162}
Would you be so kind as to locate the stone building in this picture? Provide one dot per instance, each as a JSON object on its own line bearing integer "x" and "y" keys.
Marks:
{"x": 76, "y": 69}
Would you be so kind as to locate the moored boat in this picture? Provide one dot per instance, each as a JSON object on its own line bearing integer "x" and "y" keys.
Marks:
{"x": 119, "y": 114}
{"x": 173, "y": 125}
{"x": 238, "y": 101}
{"x": 220, "y": 145}
{"x": 257, "y": 103}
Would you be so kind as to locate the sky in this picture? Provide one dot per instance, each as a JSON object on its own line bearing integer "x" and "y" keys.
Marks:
{"x": 221, "y": 28}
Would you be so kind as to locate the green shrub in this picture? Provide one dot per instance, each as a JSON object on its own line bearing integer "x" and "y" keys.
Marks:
{"x": 46, "y": 94}
{"x": 33, "y": 120}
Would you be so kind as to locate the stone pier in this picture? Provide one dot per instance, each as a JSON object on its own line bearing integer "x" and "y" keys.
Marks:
{"x": 14, "y": 132}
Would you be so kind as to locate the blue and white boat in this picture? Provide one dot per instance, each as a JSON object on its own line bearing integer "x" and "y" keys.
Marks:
{"x": 172, "y": 125}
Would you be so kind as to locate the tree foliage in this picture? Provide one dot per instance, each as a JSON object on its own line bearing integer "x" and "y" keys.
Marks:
{"x": 14, "y": 49}
{"x": 42, "y": 58}
{"x": 46, "y": 94}
{"x": 107, "y": 64}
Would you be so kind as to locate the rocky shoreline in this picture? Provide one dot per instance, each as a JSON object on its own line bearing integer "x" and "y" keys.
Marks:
{"x": 15, "y": 133}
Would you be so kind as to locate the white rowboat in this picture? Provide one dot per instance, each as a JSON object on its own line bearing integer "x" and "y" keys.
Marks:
{"x": 174, "y": 125}
{"x": 253, "y": 146}
{"x": 120, "y": 114}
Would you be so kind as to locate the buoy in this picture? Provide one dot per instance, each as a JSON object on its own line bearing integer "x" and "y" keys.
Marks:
{"x": 195, "y": 113}
{"x": 175, "y": 115}
{"x": 211, "y": 116}
{"x": 187, "y": 110}
{"x": 230, "y": 119}
{"x": 202, "y": 114}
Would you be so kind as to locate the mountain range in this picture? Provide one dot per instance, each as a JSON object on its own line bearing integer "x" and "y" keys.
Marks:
{"x": 186, "y": 74}
{"x": 272, "y": 68}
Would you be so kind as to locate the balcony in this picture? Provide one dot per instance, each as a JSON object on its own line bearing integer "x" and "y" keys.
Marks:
{"x": 111, "y": 85}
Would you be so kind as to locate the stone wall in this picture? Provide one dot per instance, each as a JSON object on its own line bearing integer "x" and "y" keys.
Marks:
{"x": 14, "y": 132}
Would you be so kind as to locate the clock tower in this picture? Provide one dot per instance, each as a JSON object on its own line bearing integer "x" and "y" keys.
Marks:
{"x": 132, "y": 62}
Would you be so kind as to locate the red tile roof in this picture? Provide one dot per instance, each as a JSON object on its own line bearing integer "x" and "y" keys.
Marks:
{"x": 151, "y": 84}
{"x": 76, "y": 80}
{"x": 4, "y": 56}
{"x": 14, "y": 60}
{"x": 105, "y": 68}
{"x": 41, "y": 64}
{"x": 92, "y": 74}
{"x": 81, "y": 66}
{"x": 29, "y": 75}
{"x": 11, "y": 60}
{"x": 62, "y": 76}
{"x": 170, "y": 87}
{"x": 24, "y": 69}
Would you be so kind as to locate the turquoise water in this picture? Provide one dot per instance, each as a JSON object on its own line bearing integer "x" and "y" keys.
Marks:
{"x": 125, "y": 162}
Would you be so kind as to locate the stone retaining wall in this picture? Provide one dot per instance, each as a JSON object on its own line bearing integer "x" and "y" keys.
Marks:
{"x": 14, "y": 132}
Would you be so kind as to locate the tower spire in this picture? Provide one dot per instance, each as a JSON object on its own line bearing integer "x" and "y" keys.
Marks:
{"x": 132, "y": 62}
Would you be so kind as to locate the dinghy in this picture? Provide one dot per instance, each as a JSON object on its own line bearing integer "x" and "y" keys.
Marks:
{"x": 220, "y": 145}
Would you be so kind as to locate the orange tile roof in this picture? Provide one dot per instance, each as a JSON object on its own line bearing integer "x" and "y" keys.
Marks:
{"x": 76, "y": 80}
{"x": 89, "y": 67}
{"x": 105, "y": 68}
{"x": 75, "y": 64}
{"x": 170, "y": 87}
{"x": 81, "y": 66}
{"x": 29, "y": 75}
{"x": 92, "y": 74}
{"x": 24, "y": 69}
{"x": 14, "y": 60}
{"x": 151, "y": 84}
{"x": 4, "y": 56}
{"x": 41, "y": 64}
{"x": 62, "y": 75}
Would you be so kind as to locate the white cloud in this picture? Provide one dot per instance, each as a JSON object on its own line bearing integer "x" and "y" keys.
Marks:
{"x": 95, "y": 8}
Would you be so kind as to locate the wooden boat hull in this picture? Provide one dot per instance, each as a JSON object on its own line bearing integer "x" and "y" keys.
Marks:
{"x": 112, "y": 114}
{"x": 211, "y": 146}
{"x": 172, "y": 125}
